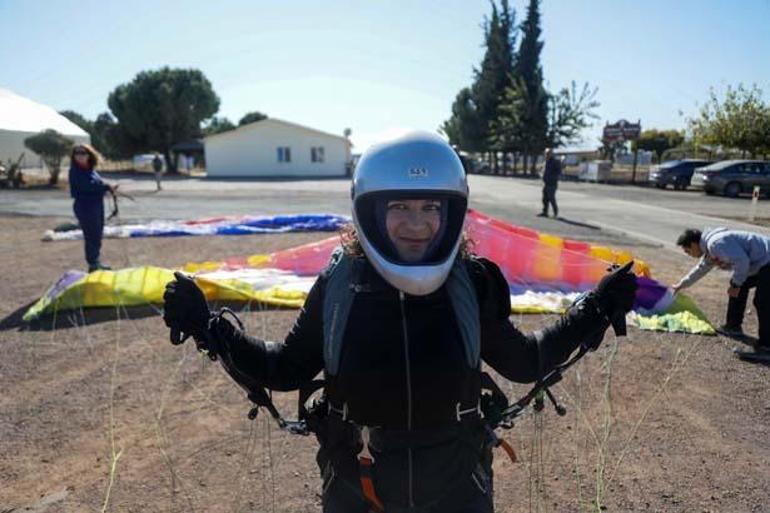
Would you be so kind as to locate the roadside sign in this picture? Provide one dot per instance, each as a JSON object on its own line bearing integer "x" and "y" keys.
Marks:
{"x": 623, "y": 130}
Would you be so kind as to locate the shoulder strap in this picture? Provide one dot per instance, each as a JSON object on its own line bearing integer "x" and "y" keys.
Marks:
{"x": 338, "y": 298}
{"x": 462, "y": 294}
{"x": 339, "y": 295}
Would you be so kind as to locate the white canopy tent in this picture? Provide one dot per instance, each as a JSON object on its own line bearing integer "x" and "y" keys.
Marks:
{"x": 21, "y": 117}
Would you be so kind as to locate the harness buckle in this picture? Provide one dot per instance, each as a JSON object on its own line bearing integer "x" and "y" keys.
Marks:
{"x": 461, "y": 413}
{"x": 343, "y": 413}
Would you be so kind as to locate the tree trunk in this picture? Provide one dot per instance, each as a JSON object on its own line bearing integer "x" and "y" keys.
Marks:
{"x": 54, "y": 168}
{"x": 170, "y": 164}
{"x": 496, "y": 163}
{"x": 515, "y": 162}
{"x": 524, "y": 162}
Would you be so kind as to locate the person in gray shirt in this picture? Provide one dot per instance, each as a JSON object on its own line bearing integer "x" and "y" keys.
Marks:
{"x": 747, "y": 254}
{"x": 157, "y": 167}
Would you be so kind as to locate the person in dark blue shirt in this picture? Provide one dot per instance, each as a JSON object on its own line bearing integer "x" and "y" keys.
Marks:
{"x": 87, "y": 189}
{"x": 551, "y": 174}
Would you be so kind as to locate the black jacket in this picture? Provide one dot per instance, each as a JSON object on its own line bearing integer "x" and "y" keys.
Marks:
{"x": 552, "y": 171}
{"x": 403, "y": 371}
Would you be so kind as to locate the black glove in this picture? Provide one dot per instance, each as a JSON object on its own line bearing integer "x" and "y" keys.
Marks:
{"x": 615, "y": 295}
{"x": 593, "y": 312}
{"x": 185, "y": 310}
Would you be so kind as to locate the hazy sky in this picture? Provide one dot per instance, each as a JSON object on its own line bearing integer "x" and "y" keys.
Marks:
{"x": 379, "y": 66}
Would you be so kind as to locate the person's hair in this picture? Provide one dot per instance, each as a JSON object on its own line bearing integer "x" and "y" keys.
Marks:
{"x": 351, "y": 244}
{"x": 93, "y": 156}
{"x": 688, "y": 237}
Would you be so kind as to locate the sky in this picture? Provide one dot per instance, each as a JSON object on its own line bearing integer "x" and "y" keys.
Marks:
{"x": 378, "y": 67}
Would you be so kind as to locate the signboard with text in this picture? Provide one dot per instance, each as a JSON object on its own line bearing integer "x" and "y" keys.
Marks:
{"x": 622, "y": 131}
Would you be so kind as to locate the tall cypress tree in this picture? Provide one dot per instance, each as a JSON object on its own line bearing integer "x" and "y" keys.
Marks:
{"x": 475, "y": 109}
{"x": 528, "y": 74}
{"x": 463, "y": 128}
{"x": 494, "y": 76}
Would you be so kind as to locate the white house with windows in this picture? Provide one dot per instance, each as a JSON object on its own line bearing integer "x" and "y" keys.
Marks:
{"x": 276, "y": 148}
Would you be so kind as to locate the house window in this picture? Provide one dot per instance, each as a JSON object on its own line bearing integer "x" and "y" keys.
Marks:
{"x": 317, "y": 154}
{"x": 284, "y": 154}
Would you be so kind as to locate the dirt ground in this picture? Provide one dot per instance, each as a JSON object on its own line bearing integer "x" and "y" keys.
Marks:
{"x": 110, "y": 417}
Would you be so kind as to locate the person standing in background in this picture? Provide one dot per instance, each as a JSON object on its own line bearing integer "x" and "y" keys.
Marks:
{"x": 87, "y": 189}
{"x": 157, "y": 167}
{"x": 551, "y": 173}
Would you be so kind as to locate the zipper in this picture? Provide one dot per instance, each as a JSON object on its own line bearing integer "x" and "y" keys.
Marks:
{"x": 329, "y": 476}
{"x": 480, "y": 486}
{"x": 410, "y": 472}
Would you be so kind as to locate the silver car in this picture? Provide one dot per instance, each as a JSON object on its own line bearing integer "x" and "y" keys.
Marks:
{"x": 733, "y": 177}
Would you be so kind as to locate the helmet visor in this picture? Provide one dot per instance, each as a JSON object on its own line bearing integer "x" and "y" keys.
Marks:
{"x": 372, "y": 212}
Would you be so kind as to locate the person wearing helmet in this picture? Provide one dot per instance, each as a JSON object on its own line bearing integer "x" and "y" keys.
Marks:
{"x": 399, "y": 323}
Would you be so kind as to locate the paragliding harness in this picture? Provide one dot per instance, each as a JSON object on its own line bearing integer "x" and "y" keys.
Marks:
{"x": 494, "y": 407}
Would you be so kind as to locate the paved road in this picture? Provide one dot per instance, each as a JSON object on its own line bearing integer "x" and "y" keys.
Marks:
{"x": 601, "y": 213}
{"x": 651, "y": 215}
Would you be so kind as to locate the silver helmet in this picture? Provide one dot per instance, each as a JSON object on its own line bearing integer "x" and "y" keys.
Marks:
{"x": 418, "y": 165}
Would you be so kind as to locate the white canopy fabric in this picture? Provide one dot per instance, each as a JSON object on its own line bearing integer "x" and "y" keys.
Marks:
{"x": 21, "y": 117}
{"x": 21, "y": 114}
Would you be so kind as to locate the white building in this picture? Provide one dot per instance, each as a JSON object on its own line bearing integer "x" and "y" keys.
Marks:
{"x": 275, "y": 148}
{"x": 21, "y": 117}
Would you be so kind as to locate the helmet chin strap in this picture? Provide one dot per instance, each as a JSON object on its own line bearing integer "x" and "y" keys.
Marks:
{"x": 381, "y": 212}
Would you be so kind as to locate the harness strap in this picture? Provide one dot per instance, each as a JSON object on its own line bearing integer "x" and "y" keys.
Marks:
{"x": 501, "y": 442}
{"x": 342, "y": 413}
{"x": 367, "y": 485}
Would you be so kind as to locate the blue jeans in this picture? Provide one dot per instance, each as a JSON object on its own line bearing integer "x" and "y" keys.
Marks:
{"x": 90, "y": 215}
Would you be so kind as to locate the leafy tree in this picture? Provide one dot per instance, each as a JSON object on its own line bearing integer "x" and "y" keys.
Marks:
{"x": 79, "y": 120}
{"x": 569, "y": 113}
{"x": 52, "y": 147}
{"x": 609, "y": 149}
{"x": 741, "y": 120}
{"x": 521, "y": 116}
{"x": 507, "y": 129}
{"x": 475, "y": 108}
{"x": 528, "y": 78}
{"x": 657, "y": 141}
{"x": 495, "y": 74}
{"x": 107, "y": 136}
{"x": 112, "y": 140}
{"x": 218, "y": 125}
{"x": 251, "y": 117}
{"x": 162, "y": 107}
{"x": 463, "y": 128}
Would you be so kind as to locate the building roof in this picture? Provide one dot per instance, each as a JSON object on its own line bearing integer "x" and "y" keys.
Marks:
{"x": 268, "y": 121}
{"x": 19, "y": 114}
{"x": 191, "y": 146}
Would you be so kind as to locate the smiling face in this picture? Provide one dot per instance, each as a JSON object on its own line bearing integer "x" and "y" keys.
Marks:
{"x": 412, "y": 224}
{"x": 81, "y": 156}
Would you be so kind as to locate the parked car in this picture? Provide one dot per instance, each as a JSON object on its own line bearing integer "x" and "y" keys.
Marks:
{"x": 676, "y": 173}
{"x": 733, "y": 177}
